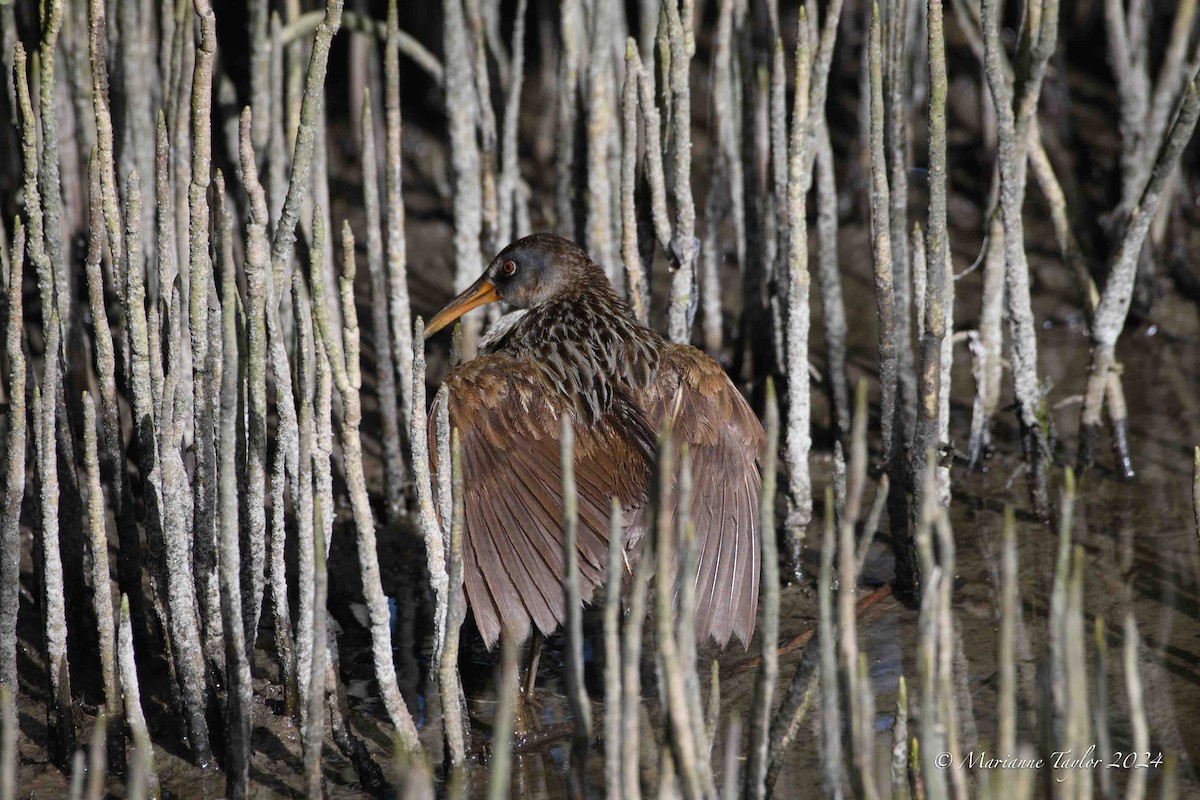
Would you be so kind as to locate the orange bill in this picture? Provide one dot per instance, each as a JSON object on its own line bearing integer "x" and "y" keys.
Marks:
{"x": 482, "y": 292}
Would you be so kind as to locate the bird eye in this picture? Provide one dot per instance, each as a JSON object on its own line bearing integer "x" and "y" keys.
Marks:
{"x": 509, "y": 267}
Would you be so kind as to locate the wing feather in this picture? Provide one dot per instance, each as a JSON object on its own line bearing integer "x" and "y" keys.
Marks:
{"x": 695, "y": 398}
{"x": 509, "y": 428}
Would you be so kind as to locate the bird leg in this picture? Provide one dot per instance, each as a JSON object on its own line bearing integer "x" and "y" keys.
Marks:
{"x": 525, "y": 684}
{"x": 531, "y": 667}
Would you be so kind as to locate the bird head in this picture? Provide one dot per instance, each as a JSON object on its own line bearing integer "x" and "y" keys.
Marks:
{"x": 525, "y": 274}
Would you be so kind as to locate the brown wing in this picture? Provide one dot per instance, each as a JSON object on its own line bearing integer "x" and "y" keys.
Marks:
{"x": 509, "y": 425}
{"x": 695, "y": 398}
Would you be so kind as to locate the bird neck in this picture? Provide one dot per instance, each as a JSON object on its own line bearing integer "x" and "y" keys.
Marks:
{"x": 589, "y": 279}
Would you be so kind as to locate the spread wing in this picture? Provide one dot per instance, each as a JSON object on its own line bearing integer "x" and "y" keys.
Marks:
{"x": 509, "y": 426}
{"x": 695, "y": 398}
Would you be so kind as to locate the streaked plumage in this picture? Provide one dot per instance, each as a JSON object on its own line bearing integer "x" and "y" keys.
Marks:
{"x": 578, "y": 351}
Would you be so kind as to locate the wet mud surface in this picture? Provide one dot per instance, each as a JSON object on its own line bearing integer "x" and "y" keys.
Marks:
{"x": 1139, "y": 537}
